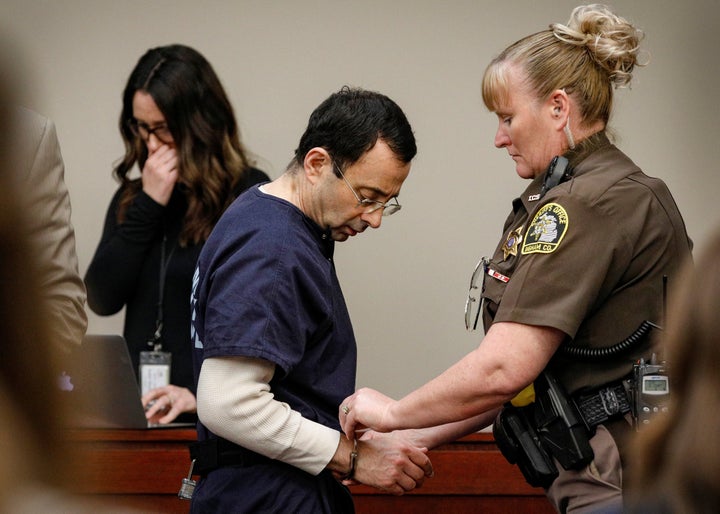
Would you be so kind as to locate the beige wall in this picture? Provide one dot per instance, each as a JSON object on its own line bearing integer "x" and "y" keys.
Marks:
{"x": 405, "y": 284}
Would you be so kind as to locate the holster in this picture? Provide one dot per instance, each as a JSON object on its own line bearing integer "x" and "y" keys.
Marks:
{"x": 560, "y": 426}
{"x": 519, "y": 443}
{"x": 550, "y": 427}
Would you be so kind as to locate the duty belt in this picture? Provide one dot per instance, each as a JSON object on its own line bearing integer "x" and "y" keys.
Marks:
{"x": 602, "y": 404}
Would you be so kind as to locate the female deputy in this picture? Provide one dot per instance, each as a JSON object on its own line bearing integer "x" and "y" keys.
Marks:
{"x": 579, "y": 267}
{"x": 179, "y": 128}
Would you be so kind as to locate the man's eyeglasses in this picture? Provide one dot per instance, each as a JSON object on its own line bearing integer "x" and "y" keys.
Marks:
{"x": 391, "y": 207}
{"x": 143, "y": 130}
{"x": 473, "y": 302}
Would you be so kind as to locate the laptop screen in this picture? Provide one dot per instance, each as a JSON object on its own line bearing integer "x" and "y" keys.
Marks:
{"x": 99, "y": 387}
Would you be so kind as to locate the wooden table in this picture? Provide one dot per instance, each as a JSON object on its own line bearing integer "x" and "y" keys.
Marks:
{"x": 144, "y": 469}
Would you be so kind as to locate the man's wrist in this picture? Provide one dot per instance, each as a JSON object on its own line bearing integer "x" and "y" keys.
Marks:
{"x": 341, "y": 462}
{"x": 353, "y": 462}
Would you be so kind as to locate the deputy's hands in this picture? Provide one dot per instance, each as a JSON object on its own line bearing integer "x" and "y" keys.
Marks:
{"x": 366, "y": 408}
{"x": 164, "y": 404}
{"x": 390, "y": 462}
{"x": 160, "y": 173}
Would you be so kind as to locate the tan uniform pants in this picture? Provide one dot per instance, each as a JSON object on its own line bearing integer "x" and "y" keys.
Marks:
{"x": 597, "y": 488}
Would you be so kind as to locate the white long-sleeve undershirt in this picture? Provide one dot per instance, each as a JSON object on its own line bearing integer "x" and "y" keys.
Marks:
{"x": 235, "y": 402}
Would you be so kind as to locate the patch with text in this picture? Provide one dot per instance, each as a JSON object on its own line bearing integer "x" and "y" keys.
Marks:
{"x": 546, "y": 230}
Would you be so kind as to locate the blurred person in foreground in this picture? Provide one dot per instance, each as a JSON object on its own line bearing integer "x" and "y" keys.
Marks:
{"x": 578, "y": 270}
{"x": 676, "y": 460}
{"x": 37, "y": 468}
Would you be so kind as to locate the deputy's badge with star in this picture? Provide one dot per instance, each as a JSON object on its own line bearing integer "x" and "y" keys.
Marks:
{"x": 546, "y": 230}
{"x": 514, "y": 238}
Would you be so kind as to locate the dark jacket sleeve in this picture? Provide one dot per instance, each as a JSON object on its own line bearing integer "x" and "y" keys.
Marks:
{"x": 113, "y": 273}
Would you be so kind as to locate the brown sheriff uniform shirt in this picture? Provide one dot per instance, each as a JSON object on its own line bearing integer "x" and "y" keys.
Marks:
{"x": 588, "y": 259}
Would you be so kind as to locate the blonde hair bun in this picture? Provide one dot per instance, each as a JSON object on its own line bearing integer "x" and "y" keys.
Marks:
{"x": 611, "y": 40}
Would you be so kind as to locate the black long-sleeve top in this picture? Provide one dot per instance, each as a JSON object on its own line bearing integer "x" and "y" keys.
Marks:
{"x": 125, "y": 272}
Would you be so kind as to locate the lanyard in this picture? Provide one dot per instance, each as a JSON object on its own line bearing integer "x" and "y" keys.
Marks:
{"x": 156, "y": 341}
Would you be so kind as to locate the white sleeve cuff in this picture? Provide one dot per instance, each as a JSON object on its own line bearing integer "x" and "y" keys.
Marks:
{"x": 235, "y": 402}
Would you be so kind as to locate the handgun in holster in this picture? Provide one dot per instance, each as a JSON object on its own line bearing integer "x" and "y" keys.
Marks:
{"x": 519, "y": 443}
{"x": 559, "y": 424}
{"x": 549, "y": 427}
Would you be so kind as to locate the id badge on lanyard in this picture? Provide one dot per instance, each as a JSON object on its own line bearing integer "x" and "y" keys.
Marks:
{"x": 154, "y": 366}
{"x": 154, "y": 370}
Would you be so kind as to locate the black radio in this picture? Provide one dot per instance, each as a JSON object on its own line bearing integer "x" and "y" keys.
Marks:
{"x": 650, "y": 391}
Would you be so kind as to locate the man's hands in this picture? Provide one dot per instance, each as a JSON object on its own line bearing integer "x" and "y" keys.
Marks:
{"x": 164, "y": 404}
{"x": 388, "y": 462}
{"x": 160, "y": 173}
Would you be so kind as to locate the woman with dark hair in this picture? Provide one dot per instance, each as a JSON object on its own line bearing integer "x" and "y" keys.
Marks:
{"x": 179, "y": 129}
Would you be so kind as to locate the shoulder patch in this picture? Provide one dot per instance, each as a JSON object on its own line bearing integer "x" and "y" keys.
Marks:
{"x": 546, "y": 230}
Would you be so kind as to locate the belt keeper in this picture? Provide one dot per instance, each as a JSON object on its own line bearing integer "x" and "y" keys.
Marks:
{"x": 353, "y": 461}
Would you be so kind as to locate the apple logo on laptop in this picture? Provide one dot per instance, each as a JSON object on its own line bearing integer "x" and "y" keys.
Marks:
{"x": 65, "y": 382}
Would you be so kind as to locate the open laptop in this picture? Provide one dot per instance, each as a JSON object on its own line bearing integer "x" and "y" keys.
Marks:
{"x": 99, "y": 387}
